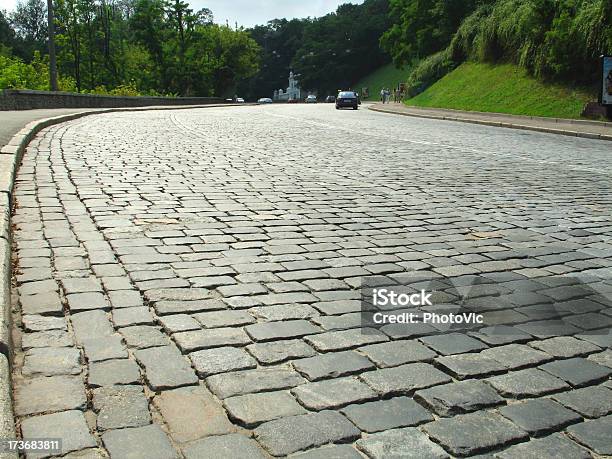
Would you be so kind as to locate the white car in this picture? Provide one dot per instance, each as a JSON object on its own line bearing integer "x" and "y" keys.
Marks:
{"x": 239, "y": 100}
{"x": 265, "y": 100}
{"x": 311, "y": 99}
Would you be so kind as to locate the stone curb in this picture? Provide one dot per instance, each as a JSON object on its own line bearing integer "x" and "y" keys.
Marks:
{"x": 586, "y": 135}
{"x": 10, "y": 159}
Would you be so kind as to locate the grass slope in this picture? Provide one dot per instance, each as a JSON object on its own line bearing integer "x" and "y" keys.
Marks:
{"x": 386, "y": 76}
{"x": 504, "y": 89}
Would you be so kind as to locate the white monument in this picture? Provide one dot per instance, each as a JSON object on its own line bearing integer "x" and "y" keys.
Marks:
{"x": 293, "y": 90}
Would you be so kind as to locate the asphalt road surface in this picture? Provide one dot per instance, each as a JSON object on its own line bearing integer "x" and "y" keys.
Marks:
{"x": 189, "y": 285}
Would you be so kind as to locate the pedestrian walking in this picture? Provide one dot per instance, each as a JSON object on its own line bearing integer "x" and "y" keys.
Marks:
{"x": 382, "y": 95}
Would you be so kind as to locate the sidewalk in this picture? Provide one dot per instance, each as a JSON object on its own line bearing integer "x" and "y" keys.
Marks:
{"x": 578, "y": 128}
{"x": 12, "y": 121}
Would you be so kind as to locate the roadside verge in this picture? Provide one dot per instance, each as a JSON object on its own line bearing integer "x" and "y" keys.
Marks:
{"x": 575, "y": 128}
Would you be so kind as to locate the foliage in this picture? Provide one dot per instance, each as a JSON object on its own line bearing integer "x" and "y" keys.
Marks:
{"x": 327, "y": 53}
{"x": 421, "y": 28}
{"x": 16, "y": 74}
{"x": 428, "y": 71}
{"x": 551, "y": 39}
{"x": 504, "y": 88}
{"x": 134, "y": 46}
{"x": 340, "y": 48}
{"x": 387, "y": 76}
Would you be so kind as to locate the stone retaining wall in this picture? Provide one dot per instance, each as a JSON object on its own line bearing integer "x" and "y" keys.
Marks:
{"x": 17, "y": 99}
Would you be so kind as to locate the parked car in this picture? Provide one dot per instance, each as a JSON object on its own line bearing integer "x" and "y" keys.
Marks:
{"x": 311, "y": 99}
{"x": 265, "y": 100}
{"x": 239, "y": 100}
{"x": 330, "y": 99}
{"x": 347, "y": 99}
{"x": 292, "y": 101}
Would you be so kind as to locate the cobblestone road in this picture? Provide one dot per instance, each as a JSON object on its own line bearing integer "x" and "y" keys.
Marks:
{"x": 188, "y": 286}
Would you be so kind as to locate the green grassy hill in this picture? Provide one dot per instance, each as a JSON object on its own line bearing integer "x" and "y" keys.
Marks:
{"x": 504, "y": 89}
{"x": 385, "y": 77}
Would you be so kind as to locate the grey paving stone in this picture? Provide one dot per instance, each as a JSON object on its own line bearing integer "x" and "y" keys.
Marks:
{"x": 218, "y": 319}
{"x": 548, "y": 328}
{"x": 81, "y": 285}
{"x": 473, "y": 433}
{"x": 125, "y": 299}
{"x": 113, "y": 372}
{"x": 408, "y": 443}
{"x": 394, "y": 353}
{"x": 270, "y": 331}
{"x": 49, "y": 338}
{"x": 192, "y": 413}
{"x": 602, "y": 358}
{"x": 470, "y": 365}
{"x": 332, "y": 365}
{"x": 294, "y": 433}
{"x": 515, "y": 356}
{"x": 204, "y": 339}
{"x": 453, "y": 343}
{"x": 49, "y": 394}
{"x": 152, "y": 440}
{"x": 564, "y": 346}
{"x": 329, "y": 452}
{"x": 221, "y": 360}
{"x": 280, "y": 351}
{"x": 224, "y": 447}
{"x": 165, "y": 368}
{"x": 527, "y": 383}
{"x": 595, "y": 435}
{"x": 127, "y": 317}
{"x": 333, "y": 393}
{"x": 253, "y": 409}
{"x": 120, "y": 407}
{"x": 539, "y": 416}
{"x": 387, "y": 414}
{"x": 78, "y": 302}
{"x": 89, "y": 453}
{"x": 591, "y": 402}
{"x": 501, "y": 334}
{"x": 35, "y": 323}
{"x": 32, "y": 288}
{"x": 345, "y": 339}
{"x": 551, "y": 447}
{"x": 70, "y": 426}
{"x": 283, "y": 312}
{"x": 52, "y": 361}
{"x": 577, "y": 371}
{"x": 179, "y": 322}
{"x": 251, "y": 381}
{"x": 459, "y": 397}
{"x": 104, "y": 348}
{"x": 46, "y": 304}
{"x": 91, "y": 324}
{"x": 144, "y": 336}
{"x": 404, "y": 379}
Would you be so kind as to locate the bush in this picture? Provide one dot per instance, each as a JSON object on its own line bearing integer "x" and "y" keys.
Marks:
{"x": 428, "y": 71}
{"x": 16, "y": 74}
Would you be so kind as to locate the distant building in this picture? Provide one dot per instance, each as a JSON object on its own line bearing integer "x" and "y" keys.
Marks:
{"x": 293, "y": 90}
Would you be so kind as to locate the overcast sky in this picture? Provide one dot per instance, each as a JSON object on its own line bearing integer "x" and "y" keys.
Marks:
{"x": 250, "y": 12}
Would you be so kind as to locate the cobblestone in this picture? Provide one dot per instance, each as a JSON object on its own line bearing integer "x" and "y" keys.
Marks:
{"x": 180, "y": 254}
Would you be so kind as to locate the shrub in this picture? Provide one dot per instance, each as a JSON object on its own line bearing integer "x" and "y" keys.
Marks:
{"x": 428, "y": 71}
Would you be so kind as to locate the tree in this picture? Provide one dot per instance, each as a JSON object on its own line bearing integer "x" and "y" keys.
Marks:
{"x": 29, "y": 20}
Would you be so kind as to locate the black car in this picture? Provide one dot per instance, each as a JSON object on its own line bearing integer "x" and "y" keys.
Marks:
{"x": 347, "y": 99}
